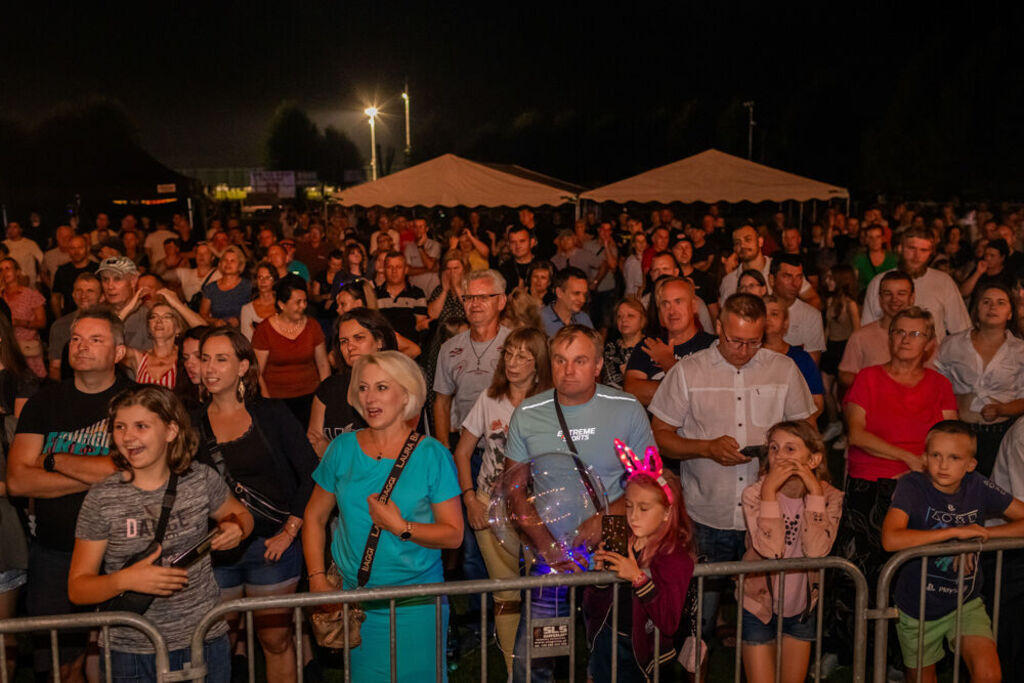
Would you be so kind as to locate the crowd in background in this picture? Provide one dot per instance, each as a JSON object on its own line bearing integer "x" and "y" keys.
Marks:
{"x": 308, "y": 348}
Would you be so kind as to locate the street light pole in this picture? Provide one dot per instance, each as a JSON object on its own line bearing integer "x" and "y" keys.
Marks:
{"x": 750, "y": 128}
{"x": 408, "y": 139}
{"x": 372, "y": 113}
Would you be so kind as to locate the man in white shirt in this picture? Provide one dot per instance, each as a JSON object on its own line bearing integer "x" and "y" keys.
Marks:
{"x": 786, "y": 277}
{"x": 154, "y": 244}
{"x": 693, "y": 422}
{"x": 59, "y": 255}
{"x": 934, "y": 291}
{"x": 25, "y": 251}
{"x": 747, "y": 244}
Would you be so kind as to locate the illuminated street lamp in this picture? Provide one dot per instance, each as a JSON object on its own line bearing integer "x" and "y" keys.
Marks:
{"x": 408, "y": 139}
{"x": 372, "y": 113}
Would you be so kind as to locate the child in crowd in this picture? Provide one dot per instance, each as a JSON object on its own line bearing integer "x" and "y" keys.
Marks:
{"x": 122, "y": 517}
{"x": 948, "y": 501}
{"x": 659, "y": 563}
{"x": 791, "y": 511}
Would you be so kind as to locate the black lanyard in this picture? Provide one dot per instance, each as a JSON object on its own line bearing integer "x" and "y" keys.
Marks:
{"x": 385, "y": 495}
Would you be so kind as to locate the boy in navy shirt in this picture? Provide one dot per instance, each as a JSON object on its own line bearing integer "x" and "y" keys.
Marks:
{"x": 947, "y": 501}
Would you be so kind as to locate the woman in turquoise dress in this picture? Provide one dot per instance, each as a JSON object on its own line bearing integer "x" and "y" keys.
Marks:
{"x": 422, "y": 517}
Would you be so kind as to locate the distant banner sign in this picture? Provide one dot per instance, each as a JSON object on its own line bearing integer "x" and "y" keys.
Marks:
{"x": 279, "y": 183}
{"x": 306, "y": 178}
{"x": 166, "y": 188}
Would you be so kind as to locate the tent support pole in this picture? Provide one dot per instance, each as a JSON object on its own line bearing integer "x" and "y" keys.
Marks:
{"x": 800, "y": 220}
{"x": 847, "y": 206}
{"x": 814, "y": 211}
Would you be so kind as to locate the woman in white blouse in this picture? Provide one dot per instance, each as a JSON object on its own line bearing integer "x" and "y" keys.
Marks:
{"x": 986, "y": 366}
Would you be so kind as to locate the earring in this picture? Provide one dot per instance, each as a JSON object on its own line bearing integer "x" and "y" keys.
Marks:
{"x": 241, "y": 390}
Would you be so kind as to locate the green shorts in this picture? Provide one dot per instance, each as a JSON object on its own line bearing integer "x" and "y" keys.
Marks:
{"x": 974, "y": 621}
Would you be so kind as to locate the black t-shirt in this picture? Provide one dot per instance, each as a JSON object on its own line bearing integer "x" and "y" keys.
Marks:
{"x": 64, "y": 282}
{"x": 513, "y": 271}
{"x": 704, "y": 286}
{"x": 339, "y": 415}
{"x": 71, "y": 422}
{"x": 642, "y": 362}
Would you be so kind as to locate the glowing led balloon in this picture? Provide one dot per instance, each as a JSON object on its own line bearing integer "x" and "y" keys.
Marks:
{"x": 549, "y": 505}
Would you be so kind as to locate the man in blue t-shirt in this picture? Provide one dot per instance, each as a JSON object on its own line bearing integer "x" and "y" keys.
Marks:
{"x": 594, "y": 416}
{"x": 948, "y": 501}
{"x": 677, "y": 313}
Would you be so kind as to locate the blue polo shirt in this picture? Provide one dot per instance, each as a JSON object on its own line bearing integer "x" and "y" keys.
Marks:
{"x": 552, "y": 323}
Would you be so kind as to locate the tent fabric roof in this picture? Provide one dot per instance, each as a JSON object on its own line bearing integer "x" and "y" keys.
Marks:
{"x": 714, "y": 176}
{"x": 449, "y": 180}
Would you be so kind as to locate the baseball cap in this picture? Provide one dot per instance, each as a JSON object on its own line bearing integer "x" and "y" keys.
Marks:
{"x": 119, "y": 265}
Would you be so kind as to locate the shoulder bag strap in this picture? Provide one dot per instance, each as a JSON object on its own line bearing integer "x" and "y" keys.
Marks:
{"x": 584, "y": 477}
{"x": 165, "y": 509}
{"x": 385, "y": 495}
{"x": 213, "y": 448}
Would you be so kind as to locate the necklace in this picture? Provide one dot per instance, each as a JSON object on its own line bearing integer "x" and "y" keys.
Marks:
{"x": 479, "y": 356}
{"x": 289, "y": 329}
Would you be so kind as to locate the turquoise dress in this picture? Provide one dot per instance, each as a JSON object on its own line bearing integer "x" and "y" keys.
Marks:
{"x": 429, "y": 478}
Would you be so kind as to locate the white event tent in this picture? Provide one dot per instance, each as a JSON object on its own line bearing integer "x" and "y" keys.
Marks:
{"x": 449, "y": 180}
{"x": 714, "y": 176}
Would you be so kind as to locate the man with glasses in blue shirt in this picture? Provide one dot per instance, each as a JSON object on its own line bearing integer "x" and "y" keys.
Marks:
{"x": 713, "y": 404}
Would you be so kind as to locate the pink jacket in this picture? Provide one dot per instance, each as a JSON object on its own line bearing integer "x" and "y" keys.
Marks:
{"x": 766, "y": 539}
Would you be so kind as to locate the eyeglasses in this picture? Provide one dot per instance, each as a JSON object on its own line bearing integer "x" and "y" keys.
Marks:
{"x": 750, "y": 344}
{"x": 470, "y": 298}
{"x": 913, "y": 334}
{"x": 512, "y": 358}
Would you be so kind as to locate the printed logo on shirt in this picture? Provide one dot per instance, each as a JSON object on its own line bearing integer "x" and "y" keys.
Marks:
{"x": 579, "y": 434}
{"x": 456, "y": 351}
{"x": 91, "y": 440}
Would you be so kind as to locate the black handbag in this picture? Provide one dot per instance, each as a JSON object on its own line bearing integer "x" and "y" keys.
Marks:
{"x": 132, "y": 601}
{"x": 261, "y": 507}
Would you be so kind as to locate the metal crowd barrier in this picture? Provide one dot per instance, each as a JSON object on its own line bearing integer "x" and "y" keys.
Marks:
{"x": 884, "y": 612}
{"x": 196, "y": 670}
{"x": 89, "y": 620}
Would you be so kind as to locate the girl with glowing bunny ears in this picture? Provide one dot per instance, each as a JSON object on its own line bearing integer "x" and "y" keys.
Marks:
{"x": 658, "y": 565}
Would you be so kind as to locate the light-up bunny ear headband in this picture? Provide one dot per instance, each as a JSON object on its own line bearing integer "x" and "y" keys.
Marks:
{"x": 650, "y": 466}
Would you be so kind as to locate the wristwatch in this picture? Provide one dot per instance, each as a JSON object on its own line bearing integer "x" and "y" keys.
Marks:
{"x": 407, "y": 534}
{"x": 50, "y": 463}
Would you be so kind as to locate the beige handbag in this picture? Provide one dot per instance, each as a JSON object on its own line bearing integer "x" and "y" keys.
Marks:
{"x": 329, "y": 621}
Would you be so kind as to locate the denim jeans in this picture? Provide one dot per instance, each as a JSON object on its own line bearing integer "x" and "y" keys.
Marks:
{"x": 545, "y": 603}
{"x": 131, "y": 667}
{"x": 716, "y": 545}
{"x": 600, "y": 669}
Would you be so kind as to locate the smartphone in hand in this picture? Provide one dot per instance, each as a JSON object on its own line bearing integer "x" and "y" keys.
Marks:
{"x": 615, "y": 534}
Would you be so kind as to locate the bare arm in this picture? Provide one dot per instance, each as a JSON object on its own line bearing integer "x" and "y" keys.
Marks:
{"x": 191, "y": 317}
{"x": 437, "y": 304}
{"x": 636, "y": 383}
{"x": 859, "y": 436}
{"x": 408, "y": 347}
{"x": 323, "y": 367}
{"x": 315, "y": 432}
{"x": 56, "y": 304}
{"x": 75, "y": 473}
{"x": 724, "y": 450}
{"x": 314, "y": 536}
{"x": 896, "y": 536}
{"x": 442, "y": 418}
{"x": 261, "y": 357}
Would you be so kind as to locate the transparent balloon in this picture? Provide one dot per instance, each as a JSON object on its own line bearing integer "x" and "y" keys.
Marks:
{"x": 549, "y": 506}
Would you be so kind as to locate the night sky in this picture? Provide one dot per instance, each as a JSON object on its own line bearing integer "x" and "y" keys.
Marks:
{"x": 863, "y": 96}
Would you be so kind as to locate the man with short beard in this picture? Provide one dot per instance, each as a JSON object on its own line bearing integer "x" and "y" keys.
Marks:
{"x": 747, "y": 244}
{"x": 934, "y": 291}
{"x": 64, "y": 277}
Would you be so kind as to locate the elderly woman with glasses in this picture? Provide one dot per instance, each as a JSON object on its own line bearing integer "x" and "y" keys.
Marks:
{"x": 889, "y": 410}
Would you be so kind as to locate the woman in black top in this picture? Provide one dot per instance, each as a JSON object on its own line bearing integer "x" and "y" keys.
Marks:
{"x": 260, "y": 449}
{"x": 360, "y": 331}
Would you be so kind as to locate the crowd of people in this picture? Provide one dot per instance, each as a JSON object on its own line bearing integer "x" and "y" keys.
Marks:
{"x": 283, "y": 390}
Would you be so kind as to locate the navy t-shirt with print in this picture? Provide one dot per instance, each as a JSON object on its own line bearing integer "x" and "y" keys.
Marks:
{"x": 976, "y": 501}
{"x": 642, "y": 362}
